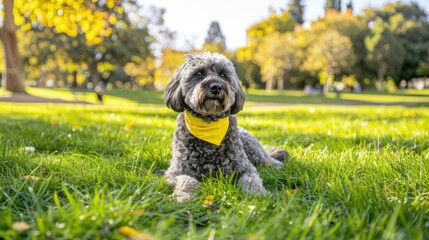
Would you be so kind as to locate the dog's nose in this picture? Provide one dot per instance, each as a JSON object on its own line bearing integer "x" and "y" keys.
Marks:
{"x": 215, "y": 88}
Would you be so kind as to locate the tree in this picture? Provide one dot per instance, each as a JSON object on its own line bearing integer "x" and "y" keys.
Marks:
{"x": 353, "y": 27}
{"x": 274, "y": 23}
{"x": 12, "y": 72}
{"x": 333, "y": 5}
{"x": 349, "y": 6}
{"x": 171, "y": 60}
{"x": 384, "y": 50}
{"x": 247, "y": 71}
{"x": 215, "y": 38}
{"x": 331, "y": 53}
{"x": 409, "y": 24}
{"x": 281, "y": 23}
{"x": 276, "y": 56}
{"x": 296, "y": 9}
{"x": 92, "y": 19}
{"x": 125, "y": 43}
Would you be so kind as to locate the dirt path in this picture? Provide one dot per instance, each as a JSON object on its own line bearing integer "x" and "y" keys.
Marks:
{"x": 25, "y": 98}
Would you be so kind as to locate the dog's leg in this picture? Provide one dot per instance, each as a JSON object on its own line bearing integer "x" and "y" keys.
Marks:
{"x": 257, "y": 154}
{"x": 251, "y": 182}
{"x": 184, "y": 187}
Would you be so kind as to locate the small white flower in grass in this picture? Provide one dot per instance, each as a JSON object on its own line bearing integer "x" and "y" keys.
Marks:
{"x": 29, "y": 149}
{"x": 60, "y": 225}
{"x": 251, "y": 208}
{"x": 28, "y": 177}
{"x": 312, "y": 110}
{"x": 21, "y": 226}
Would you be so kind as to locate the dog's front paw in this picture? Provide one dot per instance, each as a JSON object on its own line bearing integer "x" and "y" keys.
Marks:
{"x": 280, "y": 155}
{"x": 185, "y": 186}
{"x": 252, "y": 183}
{"x": 181, "y": 197}
{"x": 276, "y": 163}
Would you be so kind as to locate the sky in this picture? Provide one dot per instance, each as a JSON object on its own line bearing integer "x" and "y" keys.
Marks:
{"x": 190, "y": 19}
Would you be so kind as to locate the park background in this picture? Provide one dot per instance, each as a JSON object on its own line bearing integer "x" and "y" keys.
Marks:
{"x": 346, "y": 95}
{"x": 80, "y": 44}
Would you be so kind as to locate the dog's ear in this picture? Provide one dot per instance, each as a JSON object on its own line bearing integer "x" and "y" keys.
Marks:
{"x": 240, "y": 98}
{"x": 173, "y": 97}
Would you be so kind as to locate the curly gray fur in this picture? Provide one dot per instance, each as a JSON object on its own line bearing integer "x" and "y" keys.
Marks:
{"x": 207, "y": 86}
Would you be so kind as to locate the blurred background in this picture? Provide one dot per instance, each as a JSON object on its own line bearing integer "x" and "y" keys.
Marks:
{"x": 311, "y": 46}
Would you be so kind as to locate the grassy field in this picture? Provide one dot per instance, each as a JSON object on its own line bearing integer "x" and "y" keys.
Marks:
{"x": 96, "y": 172}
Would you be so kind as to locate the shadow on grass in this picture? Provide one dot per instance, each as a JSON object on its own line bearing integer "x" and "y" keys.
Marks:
{"x": 340, "y": 99}
{"x": 139, "y": 96}
{"x": 256, "y": 97}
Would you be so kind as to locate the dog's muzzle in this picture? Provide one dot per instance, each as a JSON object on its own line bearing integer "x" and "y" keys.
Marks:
{"x": 215, "y": 88}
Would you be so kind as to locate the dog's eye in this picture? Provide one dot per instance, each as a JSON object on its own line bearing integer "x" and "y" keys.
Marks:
{"x": 222, "y": 75}
{"x": 199, "y": 73}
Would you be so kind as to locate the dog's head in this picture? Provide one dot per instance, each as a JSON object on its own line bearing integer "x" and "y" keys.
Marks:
{"x": 206, "y": 84}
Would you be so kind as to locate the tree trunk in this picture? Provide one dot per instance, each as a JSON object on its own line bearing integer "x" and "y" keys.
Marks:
{"x": 326, "y": 85}
{"x": 280, "y": 84}
{"x": 74, "y": 83}
{"x": 93, "y": 72}
{"x": 269, "y": 84}
{"x": 12, "y": 76}
{"x": 380, "y": 75}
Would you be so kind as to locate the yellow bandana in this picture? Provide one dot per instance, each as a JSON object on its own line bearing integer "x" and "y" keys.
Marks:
{"x": 212, "y": 132}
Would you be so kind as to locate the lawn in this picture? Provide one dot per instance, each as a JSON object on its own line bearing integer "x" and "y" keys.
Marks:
{"x": 96, "y": 172}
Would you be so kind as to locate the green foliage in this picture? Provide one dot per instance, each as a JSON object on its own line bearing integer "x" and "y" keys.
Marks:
{"x": 384, "y": 50}
{"x": 92, "y": 18}
{"x": 171, "y": 61}
{"x": 125, "y": 41}
{"x": 409, "y": 34}
{"x": 274, "y": 25}
{"x": 133, "y": 40}
{"x": 423, "y": 69}
{"x": 353, "y": 172}
{"x": 333, "y": 5}
{"x": 296, "y": 10}
{"x": 280, "y": 23}
{"x": 330, "y": 54}
{"x": 276, "y": 56}
{"x": 409, "y": 24}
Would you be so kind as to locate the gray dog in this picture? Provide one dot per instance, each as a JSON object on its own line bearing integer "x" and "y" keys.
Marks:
{"x": 206, "y": 92}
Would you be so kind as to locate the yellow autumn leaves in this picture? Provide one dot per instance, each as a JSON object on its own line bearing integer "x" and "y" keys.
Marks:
{"x": 68, "y": 16}
{"x": 134, "y": 234}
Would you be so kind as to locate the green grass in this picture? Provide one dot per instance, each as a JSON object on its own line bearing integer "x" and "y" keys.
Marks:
{"x": 355, "y": 172}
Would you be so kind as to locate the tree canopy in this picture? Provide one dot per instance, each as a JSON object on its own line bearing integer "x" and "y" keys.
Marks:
{"x": 296, "y": 9}
{"x": 121, "y": 41}
{"x": 215, "y": 40}
{"x": 384, "y": 50}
